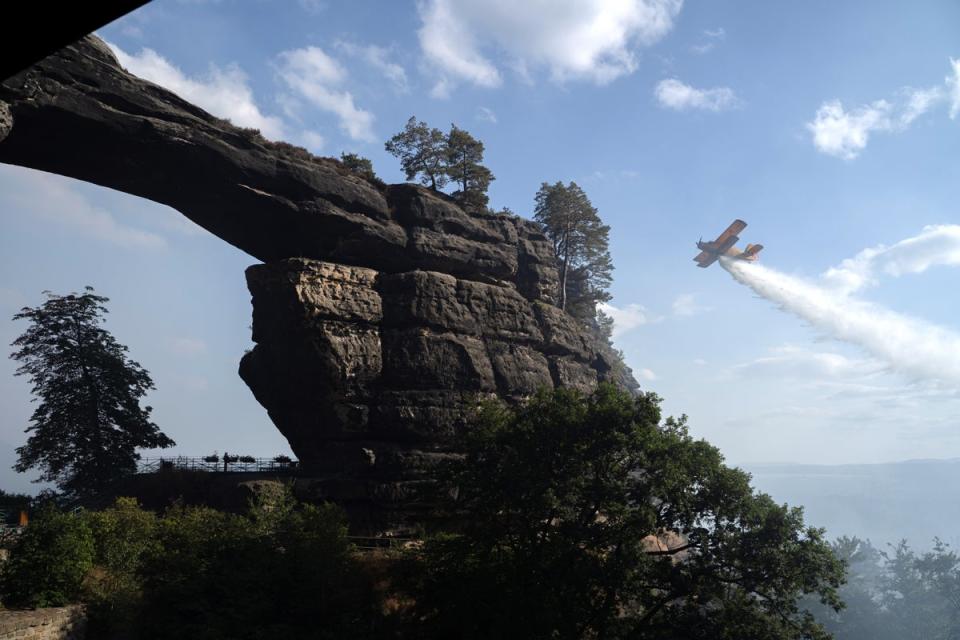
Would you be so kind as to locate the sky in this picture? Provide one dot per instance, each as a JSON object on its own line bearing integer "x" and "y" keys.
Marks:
{"x": 833, "y": 129}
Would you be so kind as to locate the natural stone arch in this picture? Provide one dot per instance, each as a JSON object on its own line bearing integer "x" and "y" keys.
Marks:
{"x": 382, "y": 313}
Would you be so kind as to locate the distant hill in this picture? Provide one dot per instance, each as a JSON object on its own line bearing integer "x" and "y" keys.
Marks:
{"x": 914, "y": 499}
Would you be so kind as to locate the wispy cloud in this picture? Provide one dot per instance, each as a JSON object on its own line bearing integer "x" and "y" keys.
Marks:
{"x": 33, "y": 193}
{"x": 953, "y": 87}
{"x": 645, "y": 374}
{"x": 792, "y": 361}
{"x": 686, "y": 305}
{"x": 674, "y": 94}
{"x": 317, "y": 78}
{"x": 592, "y": 40}
{"x": 935, "y": 245}
{"x": 844, "y": 133}
{"x": 627, "y": 318}
{"x": 381, "y": 59}
{"x": 711, "y": 38}
{"x": 486, "y": 115}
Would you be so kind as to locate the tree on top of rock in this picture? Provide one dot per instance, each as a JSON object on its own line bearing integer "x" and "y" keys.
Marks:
{"x": 581, "y": 242}
{"x": 359, "y": 165}
{"x": 88, "y": 424}
{"x": 422, "y": 152}
{"x": 464, "y": 168}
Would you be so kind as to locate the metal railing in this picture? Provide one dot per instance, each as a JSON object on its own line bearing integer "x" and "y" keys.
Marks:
{"x": 238, "y": 464}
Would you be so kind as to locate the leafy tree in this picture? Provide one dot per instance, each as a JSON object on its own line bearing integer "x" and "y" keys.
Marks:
{"x": 587, "y": 518}
{"x": 359, "y": 165}
{"x": 422, "y": 152}
{"x": 48, "y": 563}
{"x": 581, "y": 242}
{"x": 89, "y": 423}
{"x": 464, "y": 155}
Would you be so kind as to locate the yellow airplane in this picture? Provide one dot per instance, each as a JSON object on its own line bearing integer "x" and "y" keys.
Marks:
{"x": 723, "y": 246}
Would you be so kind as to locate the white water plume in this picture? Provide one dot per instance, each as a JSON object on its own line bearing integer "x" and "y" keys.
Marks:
{"x": 909, "y": 345}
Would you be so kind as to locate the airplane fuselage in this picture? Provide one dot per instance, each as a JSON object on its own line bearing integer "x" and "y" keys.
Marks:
{"x": 724, "y": 245}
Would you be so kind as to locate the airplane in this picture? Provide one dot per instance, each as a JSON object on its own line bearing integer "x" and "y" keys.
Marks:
{"x": 723, "y": 246}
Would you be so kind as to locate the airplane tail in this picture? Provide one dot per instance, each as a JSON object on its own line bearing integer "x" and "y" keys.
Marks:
{"x": 751, "y": 252}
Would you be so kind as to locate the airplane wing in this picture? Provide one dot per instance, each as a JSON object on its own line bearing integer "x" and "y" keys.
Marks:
{"x": 705, "y": 259}
{"x": 733, "y": 230}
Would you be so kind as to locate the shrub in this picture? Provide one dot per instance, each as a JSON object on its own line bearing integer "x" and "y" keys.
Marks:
{"x": 48, "y": 563}
{"x": 123, "y": 535}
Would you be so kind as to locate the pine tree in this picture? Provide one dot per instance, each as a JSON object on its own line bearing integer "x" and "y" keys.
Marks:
{"x": 89, "y": 423}
{"x": 359, "y": 165}
{"x": 464, "y": 168}
{"x": 422, "y": 152}
{"x": 581, "y": 242}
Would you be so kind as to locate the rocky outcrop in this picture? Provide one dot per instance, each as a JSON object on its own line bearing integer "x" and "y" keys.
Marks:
{"x": 372, "y": 376}
{"x": 382, "y": 314}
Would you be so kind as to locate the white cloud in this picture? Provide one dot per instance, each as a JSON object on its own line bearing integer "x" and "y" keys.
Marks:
{"x": 918, "y": 102}
{"x": 842, "y": 134}
{"x": 713, "y": 36}
{"x": 594, "y": 40}
{"x": 627, "y": 318}
{"x": 791, "y": 361}
{"x": 33, "y": 193}
{"x": 487, "y": 115}
{"x": 645, "y": 374}
{"x": 312, "y": 140}
{"x": 674, "y": 94}
{"x": 379, "y": 59}
{"x": 315, "y": 77}
{"x": 686, "y": 305}
{"x": 223, "y": 92}
{"x": 189, "y": 347}
{"x": 313, "y": 6}
{"x": 953, "y": 86}
{"x": 934, "y": 245}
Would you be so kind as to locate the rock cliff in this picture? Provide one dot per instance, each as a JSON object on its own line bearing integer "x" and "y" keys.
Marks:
{"x": 381, "y": 314}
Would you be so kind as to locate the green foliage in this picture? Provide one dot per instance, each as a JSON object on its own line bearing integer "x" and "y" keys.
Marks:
{"x": 438, "y": 159}
{"x": 123, "y": 535}
{"x": 588, "y": 518}
{"x": 359, "y": 165}
{"x": 284, "y": 570}
{"x": 464, "y": 155}
{"x": 88, "y": 424}
{"x": 48, "y": 563}
{"x": 581, "y": 243}
{"x": 422, "y": 152}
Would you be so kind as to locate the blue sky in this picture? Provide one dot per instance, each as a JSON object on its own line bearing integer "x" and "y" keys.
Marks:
{"x": 831, "y": 128}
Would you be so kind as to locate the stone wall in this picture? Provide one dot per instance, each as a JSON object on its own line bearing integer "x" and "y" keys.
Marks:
{"x": 55, "y": 623}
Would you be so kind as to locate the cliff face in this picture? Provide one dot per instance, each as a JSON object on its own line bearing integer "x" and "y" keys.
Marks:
{"x": 372, "y": 374}
{"x": 381, "y": 314}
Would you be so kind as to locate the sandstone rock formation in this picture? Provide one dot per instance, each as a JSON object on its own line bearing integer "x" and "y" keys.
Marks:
{"x": 381, "y": 315}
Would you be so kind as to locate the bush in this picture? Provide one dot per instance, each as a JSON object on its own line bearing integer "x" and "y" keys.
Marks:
{"x": 48, "y": 563}
{"x": 284, "y": 570}
{"x": 123, "y": 535}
